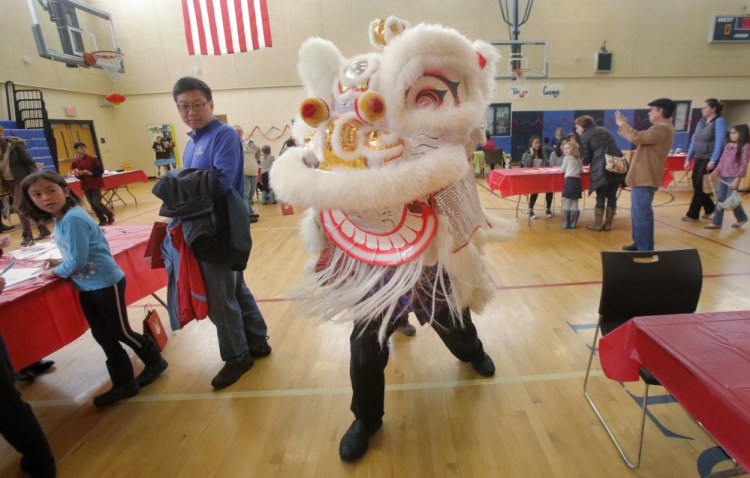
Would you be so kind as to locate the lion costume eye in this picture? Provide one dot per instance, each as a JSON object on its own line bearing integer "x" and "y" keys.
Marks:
{"x": 432, "y": 91}
{"x": 430, "y": 99}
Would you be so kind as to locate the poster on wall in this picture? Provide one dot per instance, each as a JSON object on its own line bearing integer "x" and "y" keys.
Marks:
{"x": 163, "y": 145}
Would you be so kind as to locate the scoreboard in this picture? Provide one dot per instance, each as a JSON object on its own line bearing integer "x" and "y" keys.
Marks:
{"x": 730, "y": 28}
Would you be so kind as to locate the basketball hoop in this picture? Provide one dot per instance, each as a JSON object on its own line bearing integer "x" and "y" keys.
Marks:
{"x": 109, "y": 61}
{"x": 520, "y": 74}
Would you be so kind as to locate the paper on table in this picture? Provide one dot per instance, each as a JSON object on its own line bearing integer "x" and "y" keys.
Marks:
{"x": 38, "y": 252}
{"x": 17, "y": 275}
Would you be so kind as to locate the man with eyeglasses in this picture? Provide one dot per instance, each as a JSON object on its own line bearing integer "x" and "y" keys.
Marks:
{"x": 240, "y": 327}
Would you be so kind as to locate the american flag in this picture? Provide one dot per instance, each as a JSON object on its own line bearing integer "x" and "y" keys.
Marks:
{"x": 221, "y": 27}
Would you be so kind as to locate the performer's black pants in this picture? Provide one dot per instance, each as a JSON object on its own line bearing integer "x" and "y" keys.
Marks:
{"x": 369, "y": 358}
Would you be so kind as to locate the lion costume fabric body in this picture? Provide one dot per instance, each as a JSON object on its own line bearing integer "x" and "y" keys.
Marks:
{"x": 385, "y": 170}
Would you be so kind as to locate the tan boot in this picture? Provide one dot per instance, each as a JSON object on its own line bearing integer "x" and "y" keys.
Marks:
{"x": 597, "y": 225}
{"x": 610, "y": 216}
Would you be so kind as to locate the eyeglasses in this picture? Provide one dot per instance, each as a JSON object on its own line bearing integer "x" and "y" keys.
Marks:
{"x": 197, "y": 107}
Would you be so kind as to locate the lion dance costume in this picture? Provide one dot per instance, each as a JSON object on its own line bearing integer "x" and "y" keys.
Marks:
{"x": 394, "y": 214}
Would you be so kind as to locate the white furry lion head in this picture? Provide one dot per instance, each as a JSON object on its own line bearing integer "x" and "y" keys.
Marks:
{"x": 414, "y": 109}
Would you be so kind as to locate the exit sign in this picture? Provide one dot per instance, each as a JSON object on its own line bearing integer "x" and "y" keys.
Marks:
{"x": 730, "y": 28}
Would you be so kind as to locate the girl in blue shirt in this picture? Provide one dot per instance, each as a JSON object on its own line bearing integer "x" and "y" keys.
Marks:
{"x": 88, "y": 263}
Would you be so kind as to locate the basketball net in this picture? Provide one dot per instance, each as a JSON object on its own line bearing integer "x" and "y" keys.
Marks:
{"x": 520, "y": 74}
{"x": 110, "y": 62}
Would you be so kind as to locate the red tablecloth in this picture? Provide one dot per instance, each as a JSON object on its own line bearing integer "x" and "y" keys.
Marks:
{"x": 675, "y": 162}
{"x": 522, "y": 181}
{"x": 111, "y": 181}
{"x": 38, "y": 319}
{"x": 703, "y": 360}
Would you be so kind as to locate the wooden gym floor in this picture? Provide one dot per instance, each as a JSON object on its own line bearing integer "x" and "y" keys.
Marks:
{"x": 285, "y": 417}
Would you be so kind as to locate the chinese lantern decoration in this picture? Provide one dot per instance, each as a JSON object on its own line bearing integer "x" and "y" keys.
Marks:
{"x": 116, "y": 98}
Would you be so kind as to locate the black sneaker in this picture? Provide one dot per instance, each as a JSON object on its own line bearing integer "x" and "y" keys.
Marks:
{"x": 407, "y": 329}
{"x": 151, "y": 372}
{"x": 232, "y": 371}
{"x": 630, "y": 247}
{"x": 40, "y": 366}
{"x": 260, "y": 351}
{"x": 4, "y": 228}
{"x": 115, "y": 394}
{"x": 25, "y": 375}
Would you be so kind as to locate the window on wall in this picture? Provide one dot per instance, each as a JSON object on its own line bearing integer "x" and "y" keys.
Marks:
{"x": 498, "y": 119}
{"x": 682, "y": 116}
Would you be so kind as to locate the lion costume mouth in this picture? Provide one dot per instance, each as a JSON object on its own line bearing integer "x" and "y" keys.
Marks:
{"x": 383, "y": 238}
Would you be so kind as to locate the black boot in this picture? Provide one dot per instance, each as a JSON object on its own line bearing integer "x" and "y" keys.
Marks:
{"x": 123, "y": 383}
{"x": 43, "y": 232}
{"x": 356, "y": 440}
{"x": 155, "y": 363}
{"x": 4, "y": 228}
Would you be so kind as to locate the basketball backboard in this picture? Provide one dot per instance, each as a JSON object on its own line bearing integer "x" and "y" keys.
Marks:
{"x": 65, "y": 30}
{"x": 529, "y": 55}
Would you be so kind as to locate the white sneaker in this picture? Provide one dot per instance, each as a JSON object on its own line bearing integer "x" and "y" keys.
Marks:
{"x": 549, "y": 213}
{"x": 531, "y": 214}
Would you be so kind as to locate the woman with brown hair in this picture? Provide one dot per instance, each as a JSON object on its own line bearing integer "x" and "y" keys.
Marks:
{"x": 595, "y": 143}
{"x": 705, "y": 150}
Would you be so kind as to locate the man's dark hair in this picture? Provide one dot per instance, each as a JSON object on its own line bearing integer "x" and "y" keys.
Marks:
{"x": 189, "y": 83}
{"x": 78, "y": 145}
{"x": 667, "y": 106}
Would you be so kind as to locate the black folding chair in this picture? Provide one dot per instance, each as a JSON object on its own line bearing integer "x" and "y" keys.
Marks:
{"x": 643, "y": 283}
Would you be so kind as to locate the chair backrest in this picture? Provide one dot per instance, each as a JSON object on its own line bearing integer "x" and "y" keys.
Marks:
{"x": 494, "y": 157}
{"x": 648, "y": 283}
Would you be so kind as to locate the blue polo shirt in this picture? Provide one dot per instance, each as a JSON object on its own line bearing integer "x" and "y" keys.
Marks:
{"x": 217, "y": 145}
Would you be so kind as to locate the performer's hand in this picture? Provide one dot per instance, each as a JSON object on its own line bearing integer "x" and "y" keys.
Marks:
{"x": 711, "y": 165}
{"x": 2, "y": 285}
{"x": 687, "y": 165}
{"x": 735, "y": 184}
{"x": 5, "y": 241}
